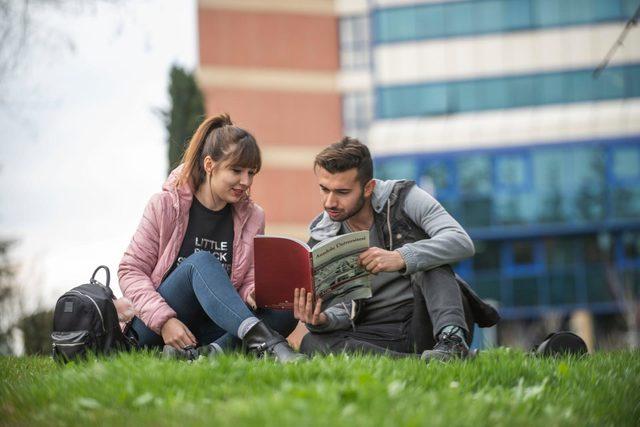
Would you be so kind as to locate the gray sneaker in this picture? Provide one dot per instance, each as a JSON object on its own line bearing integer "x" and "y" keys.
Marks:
{"x": 190, "y": 353}
{"x": 187, "y": 353}
{"x": 449, "y": 346}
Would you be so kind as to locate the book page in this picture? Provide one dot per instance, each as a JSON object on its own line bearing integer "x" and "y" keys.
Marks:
{"x": 337, "y": 275}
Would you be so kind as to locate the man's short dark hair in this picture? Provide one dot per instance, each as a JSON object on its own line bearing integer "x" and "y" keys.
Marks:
{"x": 347, "y": 154}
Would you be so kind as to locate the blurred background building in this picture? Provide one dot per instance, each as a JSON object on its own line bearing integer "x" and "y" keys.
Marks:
{"x": 272, "y": 65}
{"x": 490, "y": 105}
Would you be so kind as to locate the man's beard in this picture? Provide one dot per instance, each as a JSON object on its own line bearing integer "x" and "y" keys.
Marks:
{"x": 354, "y": 211}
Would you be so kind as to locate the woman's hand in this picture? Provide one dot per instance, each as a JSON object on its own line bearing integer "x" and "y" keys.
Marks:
{"x": 177, "y": 335}
{"x": 251, "y": 300}
{"x": 303, "y": 308}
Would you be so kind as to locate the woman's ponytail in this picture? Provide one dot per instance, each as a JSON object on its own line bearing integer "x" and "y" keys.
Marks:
{"x": 191, "y": 159}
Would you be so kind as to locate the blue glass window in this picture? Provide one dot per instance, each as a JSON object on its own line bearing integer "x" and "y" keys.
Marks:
{"x": 606, "y": 10}
{"x": 487, "y": 255}
{"x": 493, "y": 94}
{"x": 476, "y": 200}
{"x": 587, "y": 180}
{"x": 628, "y": 7}
{"x": 632, "y": 81}
{"x": 511, "y": 171}
{"x": 431, "y": 99}
{"x": 630, "y": 245}
{"x": 517, "y": 15}
{"x": 626, "y": 202}
{"x": 430, "y": 20}
{"x": 489, "y": 16}
{"x": 552, "y": 89}
{"x": 550, "y": 181}
{"x": 395, "y": 24}
{"x": 468, "y": 17}
{"x": 521, "y": 90}
{"x": 626, "y": 163}
{"x": 609, "y": 85}
{"x": 475, "y": 175}
{"x": 465, "y": 97}
{"x": 441, "y": 175}
{"x": 459, "y": 18}
{"x": 576, "y": 12}
{"x": 395, "y": 169}
{"x": 546, "y": 13}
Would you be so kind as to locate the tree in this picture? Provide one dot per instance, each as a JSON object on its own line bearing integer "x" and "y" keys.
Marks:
{"x": 36, "y": 332}
{"x": 9, "y": 301}
{"x": 184, "y": 114}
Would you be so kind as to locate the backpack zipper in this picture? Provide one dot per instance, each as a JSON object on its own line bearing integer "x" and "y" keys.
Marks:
{"x": 68, "y": 344}
{"x": 94, "y": 303}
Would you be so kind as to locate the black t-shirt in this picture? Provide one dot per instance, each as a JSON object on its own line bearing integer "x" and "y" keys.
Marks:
{"x": 208, "y": 231}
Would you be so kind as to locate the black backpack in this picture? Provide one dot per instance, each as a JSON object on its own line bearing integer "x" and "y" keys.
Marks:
{"x": 85, "y": 321}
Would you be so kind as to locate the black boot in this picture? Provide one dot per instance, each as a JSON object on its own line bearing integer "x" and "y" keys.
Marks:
{"x": 450, "y": 346}
{"x": 263, "y": 341}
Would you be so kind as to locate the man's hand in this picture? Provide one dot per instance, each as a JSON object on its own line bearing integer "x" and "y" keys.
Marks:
{"x": 177, "y": 335}
{"x": 375, "y": 260}
{"x": 251, "y": 300}
{"x": 303, "y": 308}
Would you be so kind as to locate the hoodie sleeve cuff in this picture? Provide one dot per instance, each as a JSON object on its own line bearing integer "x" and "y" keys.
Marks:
{"x": 331, "y": 325}
{"x": 159, "y": 319}
{"x": 410, "y": 259}
{"x": 338, "y": 318}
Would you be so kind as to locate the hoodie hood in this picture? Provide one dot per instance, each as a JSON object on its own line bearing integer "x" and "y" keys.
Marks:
{"x": 181, "y": 195}
{"x": 323, "y": 227}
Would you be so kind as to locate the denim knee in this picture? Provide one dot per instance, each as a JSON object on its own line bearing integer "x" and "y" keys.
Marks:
{"x": 202, "y": 256}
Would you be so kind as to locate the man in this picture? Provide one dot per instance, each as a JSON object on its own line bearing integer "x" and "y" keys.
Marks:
{"x": 413, "y": 241}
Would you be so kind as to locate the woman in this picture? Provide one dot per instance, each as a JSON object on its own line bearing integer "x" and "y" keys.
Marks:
{"x": 189, "y": 267}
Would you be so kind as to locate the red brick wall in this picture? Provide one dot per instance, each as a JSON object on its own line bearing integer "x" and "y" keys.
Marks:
{"x": 272, "y": 40}
{"x": 279, "y": 117}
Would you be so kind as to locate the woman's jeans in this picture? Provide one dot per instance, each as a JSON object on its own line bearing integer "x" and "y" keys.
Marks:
{"x": 200, "y": 292}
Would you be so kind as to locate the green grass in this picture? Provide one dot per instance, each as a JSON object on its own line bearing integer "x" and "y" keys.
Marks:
{"x": 500, "y": 387}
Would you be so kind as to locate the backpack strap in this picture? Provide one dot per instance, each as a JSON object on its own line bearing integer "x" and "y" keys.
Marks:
{"x": 93, "y": 280}
{"x": 93, "y": 276}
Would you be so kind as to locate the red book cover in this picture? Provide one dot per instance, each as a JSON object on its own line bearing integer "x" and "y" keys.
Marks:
{"x": 281, "y": 265}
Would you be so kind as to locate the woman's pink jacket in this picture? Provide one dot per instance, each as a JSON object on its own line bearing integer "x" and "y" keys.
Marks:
{"x": 155, "y": 245}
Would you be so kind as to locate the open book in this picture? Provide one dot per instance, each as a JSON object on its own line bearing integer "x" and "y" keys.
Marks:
{"x": 329, "y": 271}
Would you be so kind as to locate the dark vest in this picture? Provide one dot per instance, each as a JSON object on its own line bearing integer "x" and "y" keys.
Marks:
{"x": 403, "y": 229}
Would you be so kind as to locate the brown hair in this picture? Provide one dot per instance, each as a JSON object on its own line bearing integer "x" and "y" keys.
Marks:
{"x": 219, "y": 139}
{"x": 347, "y": 154}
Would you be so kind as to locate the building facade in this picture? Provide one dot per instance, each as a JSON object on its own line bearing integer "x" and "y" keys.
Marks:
{"x": 272, "y": 65}
{"x": 493, "y": 107}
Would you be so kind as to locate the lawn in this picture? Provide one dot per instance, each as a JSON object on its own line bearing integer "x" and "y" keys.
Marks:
{"x": 499, "y": 387}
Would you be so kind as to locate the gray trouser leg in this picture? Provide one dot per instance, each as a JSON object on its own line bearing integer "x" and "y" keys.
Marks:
{"x": 341, "y": 342}
{"x": 439, "y": 290}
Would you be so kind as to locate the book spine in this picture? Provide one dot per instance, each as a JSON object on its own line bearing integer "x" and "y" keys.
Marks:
{"x": 312, "y": 277}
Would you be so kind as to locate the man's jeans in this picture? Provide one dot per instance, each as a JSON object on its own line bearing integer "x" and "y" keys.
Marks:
{"x": 437, "y": 302}
{"x": 200, "y": 292}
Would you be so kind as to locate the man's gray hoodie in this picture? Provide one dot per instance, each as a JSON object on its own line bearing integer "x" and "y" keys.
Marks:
{"x": 448, "y": 243}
